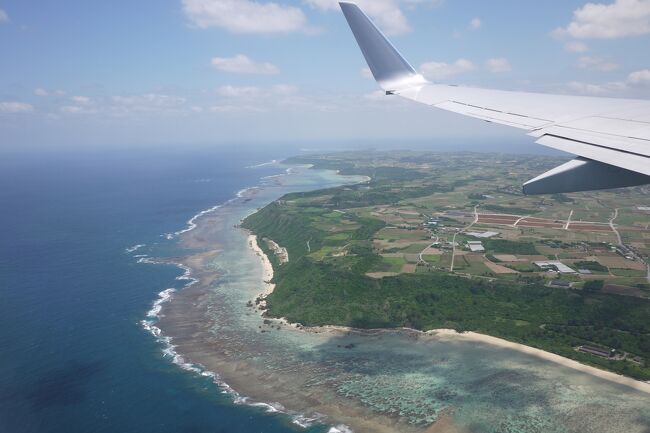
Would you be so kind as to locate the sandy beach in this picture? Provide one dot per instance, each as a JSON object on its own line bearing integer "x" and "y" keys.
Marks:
{"x": 372, "y": 381}
{"x": 542, "y": 354}
{"x": 267, "y": 267}
{"x": 452, "y": 334}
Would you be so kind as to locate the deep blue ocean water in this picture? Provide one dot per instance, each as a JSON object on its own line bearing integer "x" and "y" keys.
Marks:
{"x": 73, "y": 357}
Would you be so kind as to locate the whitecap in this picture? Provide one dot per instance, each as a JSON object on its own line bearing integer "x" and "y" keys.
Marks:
{"x": 264, "y": 164}
{"x": 133, "y": 249}
{"x": 191, "y": 223}
{"x": 341, "y": 428}
{"x": 169, "y": 349}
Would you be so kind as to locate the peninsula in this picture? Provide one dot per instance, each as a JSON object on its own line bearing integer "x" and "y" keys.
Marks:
{"x": 447, "y": 241}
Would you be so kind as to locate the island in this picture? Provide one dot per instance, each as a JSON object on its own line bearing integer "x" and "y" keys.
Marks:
{"x": 448, "y": 241}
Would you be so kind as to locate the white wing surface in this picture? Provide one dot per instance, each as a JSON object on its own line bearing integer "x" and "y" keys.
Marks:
{"x": 610, "y": 136}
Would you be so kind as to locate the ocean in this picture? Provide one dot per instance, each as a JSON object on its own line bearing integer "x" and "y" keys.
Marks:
{"x": 74, "y": 357}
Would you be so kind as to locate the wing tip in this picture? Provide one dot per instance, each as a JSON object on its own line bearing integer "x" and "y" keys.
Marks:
{"x": 390, "y": 69}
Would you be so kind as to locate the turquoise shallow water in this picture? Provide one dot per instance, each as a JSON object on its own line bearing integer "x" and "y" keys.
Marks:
{"x": 408, "y": 377}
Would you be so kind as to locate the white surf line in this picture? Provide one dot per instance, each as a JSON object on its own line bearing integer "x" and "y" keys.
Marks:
{"x": 453, "y": 240}
{"x": 308, "y": 247}
{"x": 568, "y": 221}
{"x": 134, "y": 248}
{"x": 271, "y": 162}
{"x": 611, "y": 224}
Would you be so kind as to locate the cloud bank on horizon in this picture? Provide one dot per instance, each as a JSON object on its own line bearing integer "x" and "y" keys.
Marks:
{"x": 202, "y": 70}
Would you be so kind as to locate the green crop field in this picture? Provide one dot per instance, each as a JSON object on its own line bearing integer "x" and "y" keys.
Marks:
{"x": 341, "y": 241}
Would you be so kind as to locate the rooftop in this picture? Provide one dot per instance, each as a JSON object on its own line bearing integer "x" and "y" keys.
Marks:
{"x": 561, "y": 267}
{"x": 484, "y": 235}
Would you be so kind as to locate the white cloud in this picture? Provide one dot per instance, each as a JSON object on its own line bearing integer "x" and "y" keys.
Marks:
{"x": 234, "y": 108}
{"x": 238, "y": 91}
{"x": 15, "y": 107}
{"x": 245, "y": 16}
{"x": 149, "y": 101}
{"x": 258, "y": 99}
{"x": 387, "y": 14}
{"x": 596, "y": 63}
{"x": 639, "y": 77}
{"x": 634, "y": 81}
{"x": 597, "y": 89}
{"x": 248, "y": 92}
{"x": 498, "y": 65}
{"x": 4, "y": 18}
{"x": 41, "y": 92}
{"x": 121, "y": 105}
{"x": 241, "y": 64}
{"x": 76, "y": 109}
{"x": 366, "y": 73}
{"x": 441, "y": 70}
{"x": 475, "y": 23}
{"x": 576, "y": 47}
{"x": 607, "y": 21}
{"x": 82, "y": 100}
{"x": 284, "y": 89}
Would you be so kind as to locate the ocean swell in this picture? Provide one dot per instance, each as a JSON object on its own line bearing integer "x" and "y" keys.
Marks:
{"x": 168, "y": 349}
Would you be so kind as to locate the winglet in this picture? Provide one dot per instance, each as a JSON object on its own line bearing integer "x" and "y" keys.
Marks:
{"x": 387, "y": 65}
{"x": 582, "y": 174}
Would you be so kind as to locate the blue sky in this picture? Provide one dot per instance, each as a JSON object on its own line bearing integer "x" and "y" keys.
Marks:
{"x": 91, "y": 73}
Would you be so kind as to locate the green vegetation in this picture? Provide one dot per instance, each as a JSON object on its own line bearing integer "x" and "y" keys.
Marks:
{"x": 627, "y": 272}
{"x": 502, "y": 246}
{"x": 593, "y": 285}
{"x": 314, "y": 293}
{"x": 340, "y": 240}
{"x": 512, "y": 210}
{"x": 591, "y": 266}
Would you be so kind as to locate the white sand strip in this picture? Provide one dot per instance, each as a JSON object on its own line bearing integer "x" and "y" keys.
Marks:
{"x": 452, "y": 334}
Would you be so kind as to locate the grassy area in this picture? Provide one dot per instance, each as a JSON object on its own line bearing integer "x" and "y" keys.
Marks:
{"x": 591, "y": 266}
{"x": 315, "y": 293}
{"x": 502, "y": 246}
{"x": 326, "y": 282}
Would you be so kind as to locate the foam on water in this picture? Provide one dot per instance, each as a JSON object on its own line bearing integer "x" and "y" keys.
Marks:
{"x": 191, "y": 223}
{"x": 134, "y": 248}
{"x": 484, "y": 385}
{"x": 264, "y": 164}
{"x": 169, "y": 349}
{"x": 340, "y": 429}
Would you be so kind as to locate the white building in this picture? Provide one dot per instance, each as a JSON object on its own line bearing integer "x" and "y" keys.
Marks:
{"x": 484, "y": 235}
{"x": 555, "y": 265}
{"x": 475, "y": 246}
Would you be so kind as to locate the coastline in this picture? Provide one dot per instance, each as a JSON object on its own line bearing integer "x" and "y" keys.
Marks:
{"x": 470, "y": 336}
{"x": 267, "y": 267}
{"x": 205, "y": 328}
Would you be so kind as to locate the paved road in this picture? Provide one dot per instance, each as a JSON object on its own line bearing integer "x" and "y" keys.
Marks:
{"x": 611, "y": 224}
{"x": 435, "y": 241}
{"x": 520, "y": 218}
{"x": 453, "y": 240}
{"x": 568, "y": 221}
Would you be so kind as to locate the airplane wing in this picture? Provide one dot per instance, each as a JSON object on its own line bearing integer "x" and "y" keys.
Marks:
{"x": 611, "y": 137}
